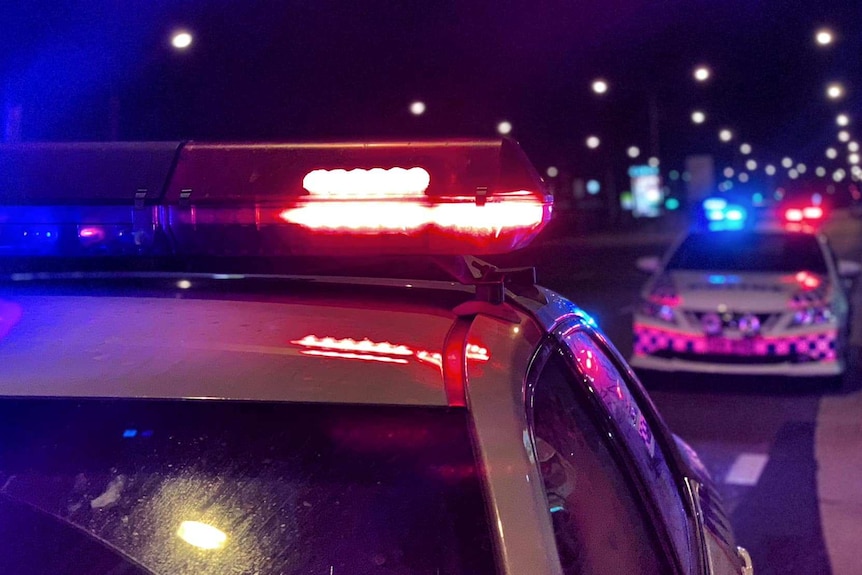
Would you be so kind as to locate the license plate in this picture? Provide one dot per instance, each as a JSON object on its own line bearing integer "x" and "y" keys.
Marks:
{"x": 724, "y": 346}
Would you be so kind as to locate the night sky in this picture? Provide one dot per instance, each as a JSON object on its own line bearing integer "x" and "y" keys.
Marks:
{"x": 321, "y": 69}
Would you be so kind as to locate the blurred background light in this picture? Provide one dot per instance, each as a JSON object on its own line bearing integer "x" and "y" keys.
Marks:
{"x": 181, "y": 40}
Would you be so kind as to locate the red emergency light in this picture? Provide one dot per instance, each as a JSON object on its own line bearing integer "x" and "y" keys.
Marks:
{"x": 187, "y": 199}
{"x": 806, "y": 214}
{"x": 461, "y": 197}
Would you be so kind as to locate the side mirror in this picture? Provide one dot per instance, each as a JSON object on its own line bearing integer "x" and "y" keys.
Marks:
{"x": 848, "y": 269}
{"x": 648, "y": 264}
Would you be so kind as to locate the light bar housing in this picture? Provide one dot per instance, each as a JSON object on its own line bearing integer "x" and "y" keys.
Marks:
{"x": 264, "y": 199}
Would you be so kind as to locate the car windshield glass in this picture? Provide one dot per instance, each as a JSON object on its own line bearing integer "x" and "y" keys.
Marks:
{"x": 195, "y": 486}
{"x": 755, "y": 252}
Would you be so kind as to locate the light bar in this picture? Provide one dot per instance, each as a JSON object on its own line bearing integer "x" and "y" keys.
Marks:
{"x": 469, "y": 197}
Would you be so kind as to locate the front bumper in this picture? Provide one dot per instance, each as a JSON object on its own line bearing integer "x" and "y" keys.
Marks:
{"x": 808, "y": 353}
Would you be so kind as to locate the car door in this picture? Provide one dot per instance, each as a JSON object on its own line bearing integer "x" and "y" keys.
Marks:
{"x": 627, "y": 452}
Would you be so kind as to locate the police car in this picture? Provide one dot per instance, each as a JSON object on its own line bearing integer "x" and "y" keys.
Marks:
{"x": 734, "y": 297}
{"x": 275, "y": 358}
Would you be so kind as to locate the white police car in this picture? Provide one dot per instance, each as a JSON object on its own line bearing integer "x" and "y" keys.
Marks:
{"x": 735, "y": 299}
{"x": 207, "y": 366}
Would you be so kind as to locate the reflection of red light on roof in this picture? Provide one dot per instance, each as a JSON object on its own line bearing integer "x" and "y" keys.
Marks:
{"x": 385, "y": 352}
{"x": 365, "y": 345}
{"x": 477, "y": 353}
{"x": 350, "y": 355}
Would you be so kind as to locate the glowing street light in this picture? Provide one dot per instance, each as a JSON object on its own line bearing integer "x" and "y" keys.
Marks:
{"x": 181, "y": 40}
{"x": 831, "y": 153}
{"x": 725, "y": 135}
{"x": 787, "y": 162}
{"x": 633, "y": 152}
{"x": 653, "y": 162}
{"x": 820, "y": 171}
{"x": 801, "y": 168}
{"x": 750, "y": 165}
{"x": 853, "y": 158}
{"x": 698, "y": 117}
{"x": 792, "y": 174}
{"x": 417, "y": 108}
{"x": 824, "y": 37}
{"x": 504, "y": 128}
{"x": 600, "y": 86}
{"x": 834, "y": 91}
{"x": 727, "y": 172}
{"x": 769, "y": 169}
{"x": 843, "y": 136}
{"x": 842, "y": 120}
{"x": 853, "y": 146}
{"x": 552, "y": 171}
{"x": 743, "y": 177}
{"x": 702, "y": 73}
{"x": 745, "y": 149}
{"x": 593, "y": 142}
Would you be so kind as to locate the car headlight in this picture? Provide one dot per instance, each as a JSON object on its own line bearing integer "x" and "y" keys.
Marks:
{"x": 659, "y": 311}
{"x": 812, "y": 315}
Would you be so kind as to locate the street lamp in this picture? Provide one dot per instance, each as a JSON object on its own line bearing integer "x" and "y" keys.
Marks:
{"x": 698, "y": 117}
{"x": 834, "y": 91}
{"x": 787, "y": 162}
{"x": 853, "y": 146}
{"x": 633, "y": 152}
{"x": 181, "y": 40}
{"x": 702, "y": 73}
{"x": 552, "y": 171}
{"x": 824, "y": 37}
{"x": 725, "y": 135}
{"x": 769, "y": 169}
{"x": 751, "y": 165}
{"x": 504, "y": 127}
{"x": 831, "y": 153}
{"x": 745, "y": 149}
{"x": 842, "y": 120}
{"x": 417, "y": 108}
{"x": 843, "y": 136}
{"x": 600, "y": 86}
{"x": 593, "y": 142}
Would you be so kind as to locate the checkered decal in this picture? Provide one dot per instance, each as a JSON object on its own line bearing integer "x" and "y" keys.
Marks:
{"x": 813, "y": 346}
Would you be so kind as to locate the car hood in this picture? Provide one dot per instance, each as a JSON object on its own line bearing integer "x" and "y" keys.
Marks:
{"x": 754, "y": 292}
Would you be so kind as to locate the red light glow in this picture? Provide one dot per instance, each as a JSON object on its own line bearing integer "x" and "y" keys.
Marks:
{"x": 793, "y": 215}
{"x": 376, "y": 183}
{"x": 511, "y": 212}
{"x": 383, "y": 352}
{"x": 807, "y": 281}
{"x": 812, "y": 213}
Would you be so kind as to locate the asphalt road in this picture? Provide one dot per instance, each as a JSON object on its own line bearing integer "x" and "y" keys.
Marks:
{"x": 757, "y": 437}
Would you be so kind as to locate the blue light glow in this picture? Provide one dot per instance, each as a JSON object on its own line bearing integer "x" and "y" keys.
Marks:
{"x": 556, "y": 508}
{"x": 714, "y": 204}
{"x": 722, "y": 279}
{"x": 735, "y": 214}
{"x": 130, "y": 433}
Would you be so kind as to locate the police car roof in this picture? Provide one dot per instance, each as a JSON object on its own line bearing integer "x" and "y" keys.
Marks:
{"x": 342, "y": 340}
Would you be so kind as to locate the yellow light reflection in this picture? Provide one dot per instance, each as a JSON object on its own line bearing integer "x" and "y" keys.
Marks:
{"x": 201, "y": 535}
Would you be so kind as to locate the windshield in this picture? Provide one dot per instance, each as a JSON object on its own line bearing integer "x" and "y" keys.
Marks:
{"x": 190, "y": 487}
{"x": 754, "y": 252}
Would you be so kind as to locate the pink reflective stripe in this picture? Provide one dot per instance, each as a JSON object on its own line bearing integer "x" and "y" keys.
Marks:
{"x": 820, "y": 346}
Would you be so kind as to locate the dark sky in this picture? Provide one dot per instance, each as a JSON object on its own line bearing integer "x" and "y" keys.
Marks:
{"x": 323, "y": 69}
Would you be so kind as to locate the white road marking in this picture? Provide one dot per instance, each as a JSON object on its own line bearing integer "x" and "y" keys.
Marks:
{"x": 746, "y": 469}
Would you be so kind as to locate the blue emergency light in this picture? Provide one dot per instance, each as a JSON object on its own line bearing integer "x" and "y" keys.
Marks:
{"x": 721, "y": 215}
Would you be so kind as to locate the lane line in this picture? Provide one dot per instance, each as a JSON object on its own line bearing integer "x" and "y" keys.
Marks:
{"x": 746, "y": 469}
